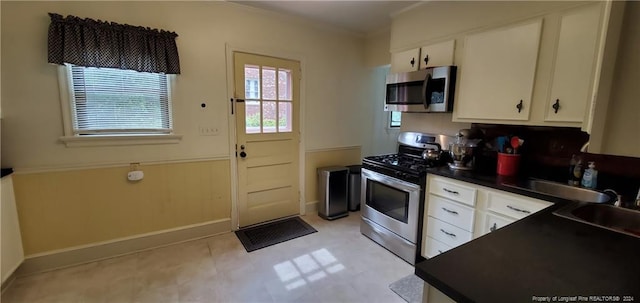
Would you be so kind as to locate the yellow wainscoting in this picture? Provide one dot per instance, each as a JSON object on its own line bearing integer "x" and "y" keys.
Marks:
{"x": 322, "y": 158}
{"x": 64, "y": 209}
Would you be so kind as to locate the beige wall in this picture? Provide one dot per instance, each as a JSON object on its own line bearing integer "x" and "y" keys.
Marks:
{"x": 622, "y": 130}
{"x": 333, "y": 78}
{"x": 432, "y": 123}
{"x": 441, "y": 19}
{"x": 64, "y": 201}
{"x": 64, "y": 209}
{"x": 377, "y": 49}
{"x": 324, "y": 158}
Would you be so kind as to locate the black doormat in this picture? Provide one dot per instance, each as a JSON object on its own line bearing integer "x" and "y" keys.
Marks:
{"x": 257, "y": 237}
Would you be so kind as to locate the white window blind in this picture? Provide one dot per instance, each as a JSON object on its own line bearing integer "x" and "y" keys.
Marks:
{"x": 115, "y": 101}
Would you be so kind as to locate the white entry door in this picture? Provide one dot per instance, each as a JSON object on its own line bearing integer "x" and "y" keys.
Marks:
{"x": 267, "y": 94}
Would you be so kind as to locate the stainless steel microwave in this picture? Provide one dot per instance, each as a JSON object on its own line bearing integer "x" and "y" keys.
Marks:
{"x": 425, "y": 91}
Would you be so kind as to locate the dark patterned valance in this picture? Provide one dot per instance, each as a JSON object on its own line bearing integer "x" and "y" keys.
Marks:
{"x": 87, "y": 42}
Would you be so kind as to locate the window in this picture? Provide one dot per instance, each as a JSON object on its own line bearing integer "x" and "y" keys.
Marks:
{"x": 116, "y": 101}
{"x": 395, "y": 119}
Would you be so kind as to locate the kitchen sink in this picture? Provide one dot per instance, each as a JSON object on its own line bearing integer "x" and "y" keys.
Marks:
{"x": 618, "y": 219}
{"x": 563, "y": 191}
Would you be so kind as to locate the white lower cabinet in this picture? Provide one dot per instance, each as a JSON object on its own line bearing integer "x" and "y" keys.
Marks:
{"x": 435, "y": 247}
{"x": 431, "y": 294}
{"x": 494, "y": 222}
{"x": 447, "y": 233}
{"x": 465, "y": 211}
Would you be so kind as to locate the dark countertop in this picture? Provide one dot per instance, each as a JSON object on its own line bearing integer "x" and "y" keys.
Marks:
{"x": 540, "y": 255}
{"x": 5, "y": 172}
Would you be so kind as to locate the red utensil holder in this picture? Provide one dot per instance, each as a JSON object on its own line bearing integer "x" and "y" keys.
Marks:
{"x": 508, "y": 164}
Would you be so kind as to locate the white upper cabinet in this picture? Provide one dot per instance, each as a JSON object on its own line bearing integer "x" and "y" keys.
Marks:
{"x": 439, "y": 54}
{"x": 497, "y": 73}
{"x": 574, "y": 68}
{"x": 406, "y": 61}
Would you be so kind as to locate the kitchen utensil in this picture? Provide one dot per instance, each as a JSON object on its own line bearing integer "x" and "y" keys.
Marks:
{"x": 515, "y": 143}
{"x": 500, "y": 143}
{"x": 432, "y": 153}
{"x": 463, "y": 153}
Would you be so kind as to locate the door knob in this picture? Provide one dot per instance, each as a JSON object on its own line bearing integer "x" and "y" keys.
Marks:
{"x": 243, "y": 154}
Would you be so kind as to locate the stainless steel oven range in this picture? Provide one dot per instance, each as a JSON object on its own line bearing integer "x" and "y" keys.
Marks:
{"x": 393, "y": 192}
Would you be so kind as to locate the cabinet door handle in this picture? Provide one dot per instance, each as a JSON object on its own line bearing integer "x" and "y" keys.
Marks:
{"x": 519, "y": 106}
{"x": 517, "y": 209}
{"x": 426, "y": 60}
{"x": 413, "y": 62}
{"x": 453, "y": 212}
{"x": 448, "y": 233}
{"x": 450, "y": 191}
{"x": 494, "y": 227}
{"x": 556, "y": 105}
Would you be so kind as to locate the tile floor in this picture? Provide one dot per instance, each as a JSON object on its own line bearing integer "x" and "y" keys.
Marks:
{"x": 336, "y": 264}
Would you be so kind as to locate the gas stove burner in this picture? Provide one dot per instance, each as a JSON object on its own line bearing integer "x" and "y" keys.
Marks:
{"x": 404, "y": 162}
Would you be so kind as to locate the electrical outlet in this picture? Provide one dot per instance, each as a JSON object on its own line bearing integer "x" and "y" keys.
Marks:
{"x": 208, "y": 131}
{"x": 133, "y": 166}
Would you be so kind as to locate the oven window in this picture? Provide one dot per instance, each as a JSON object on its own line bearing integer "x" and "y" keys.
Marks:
{"x": 388, "y": 200}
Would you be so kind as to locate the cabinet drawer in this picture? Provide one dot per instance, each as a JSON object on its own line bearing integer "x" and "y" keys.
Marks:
{"x": 513, "y": 207}
{"x": 494, "y": 222}
{"x": 451, "y": 212}
{"x": 447, "y": 233}
{"x": 453, "y": 191}
{"x": 435, "y": 247}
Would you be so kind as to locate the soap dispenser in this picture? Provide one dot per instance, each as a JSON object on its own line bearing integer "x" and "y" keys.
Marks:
{"x": 590, "y": 176}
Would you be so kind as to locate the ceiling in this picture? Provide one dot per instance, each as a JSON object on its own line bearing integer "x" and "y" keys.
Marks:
{"x": 361, "y": 17}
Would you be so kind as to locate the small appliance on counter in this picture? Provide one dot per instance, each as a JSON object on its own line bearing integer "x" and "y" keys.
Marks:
{"x": 465, "y": 149}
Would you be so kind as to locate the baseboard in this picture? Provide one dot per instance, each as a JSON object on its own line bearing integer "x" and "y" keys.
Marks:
{"x": 311, "y": 207}
{"x": 8, "y": 282}
{"x": 105, "y": 250}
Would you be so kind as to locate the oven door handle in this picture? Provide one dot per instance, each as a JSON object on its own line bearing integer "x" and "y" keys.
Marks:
{"x": 390, "y": 181}
{"x": 425, "y": 90}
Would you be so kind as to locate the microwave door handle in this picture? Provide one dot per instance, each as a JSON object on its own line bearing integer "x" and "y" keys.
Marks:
{"x": 425, "y": 89}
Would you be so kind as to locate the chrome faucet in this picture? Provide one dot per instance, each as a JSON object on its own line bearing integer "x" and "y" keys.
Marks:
{"x": 618, "y": 201}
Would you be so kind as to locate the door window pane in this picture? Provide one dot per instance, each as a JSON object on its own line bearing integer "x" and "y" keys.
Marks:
{"x": 252, "y": 117}
{"x": 268, "y": 83}
{"x": 269, "y": 116}
{"x": 252, "y": 82}
{"x": 252, "y": 89}
{"x": 284, "y": 117}
{"x": 284, "y": 84}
